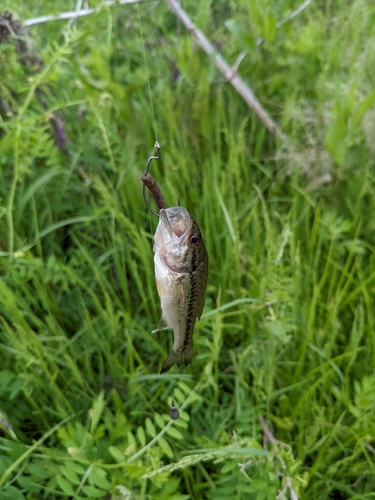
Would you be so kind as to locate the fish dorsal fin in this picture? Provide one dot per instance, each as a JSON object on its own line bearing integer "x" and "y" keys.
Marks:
{"x": 161, "y": 326}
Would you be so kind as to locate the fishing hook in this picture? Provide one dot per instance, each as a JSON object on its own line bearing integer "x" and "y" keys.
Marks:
{"x": 157, "y": 146}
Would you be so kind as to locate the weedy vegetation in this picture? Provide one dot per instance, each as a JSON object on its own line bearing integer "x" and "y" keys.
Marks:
{"x": 280, "y": 398}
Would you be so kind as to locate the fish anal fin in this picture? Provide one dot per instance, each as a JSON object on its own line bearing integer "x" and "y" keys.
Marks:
{"x": 161, "y": 326}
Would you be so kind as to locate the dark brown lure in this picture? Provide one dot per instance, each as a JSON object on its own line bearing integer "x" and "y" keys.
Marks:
{"x": 155, "y": 190}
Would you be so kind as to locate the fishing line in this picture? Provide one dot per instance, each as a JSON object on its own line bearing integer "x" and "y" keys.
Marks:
{"x": 148, "y": 72}
{"x": 150, "y": 99}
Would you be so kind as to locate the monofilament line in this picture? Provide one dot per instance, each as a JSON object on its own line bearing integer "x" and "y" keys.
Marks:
{"x": 148, "y": 73}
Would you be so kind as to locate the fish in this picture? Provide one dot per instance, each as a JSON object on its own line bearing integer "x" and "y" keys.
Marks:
{"x": 181, "y": 273}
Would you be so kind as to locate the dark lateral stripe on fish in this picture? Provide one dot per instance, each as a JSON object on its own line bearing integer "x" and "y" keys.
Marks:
{"x": 190, "y": 320}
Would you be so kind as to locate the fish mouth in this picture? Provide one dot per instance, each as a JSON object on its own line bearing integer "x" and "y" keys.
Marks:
{"x": 176, "y": 221}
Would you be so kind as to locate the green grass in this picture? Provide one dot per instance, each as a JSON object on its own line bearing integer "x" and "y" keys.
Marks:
{"x": 288, "y": 329}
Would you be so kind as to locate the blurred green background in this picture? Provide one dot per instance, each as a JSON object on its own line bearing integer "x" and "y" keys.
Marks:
{"x": 288, "y": 331}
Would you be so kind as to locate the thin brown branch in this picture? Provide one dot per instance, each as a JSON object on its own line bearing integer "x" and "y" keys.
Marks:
{"x": 75, "y": 14}
{"x": 288, "y": 18}
{"x": 230, "y": 75}
{"x": 294, "y": 13}
{"x": 268, "y": 437}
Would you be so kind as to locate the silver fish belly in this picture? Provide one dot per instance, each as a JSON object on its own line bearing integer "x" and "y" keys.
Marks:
{"x": 181, "y": 271}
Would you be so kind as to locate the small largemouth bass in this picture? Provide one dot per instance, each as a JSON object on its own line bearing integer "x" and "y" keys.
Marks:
{"x": 181, "y": 271}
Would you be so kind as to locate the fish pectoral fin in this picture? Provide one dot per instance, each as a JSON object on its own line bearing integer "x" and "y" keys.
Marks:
{"x": 161, "y": 326}
{"x": 159, "y": 287}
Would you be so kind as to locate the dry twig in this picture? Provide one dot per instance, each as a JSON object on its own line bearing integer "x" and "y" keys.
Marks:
{"x": 268, "y": 437}
{"x": 77, "y": 13}
{"x": 230, "y": 75}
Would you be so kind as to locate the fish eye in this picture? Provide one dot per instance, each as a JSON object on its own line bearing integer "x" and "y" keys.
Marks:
{"x": 195, "y": 239}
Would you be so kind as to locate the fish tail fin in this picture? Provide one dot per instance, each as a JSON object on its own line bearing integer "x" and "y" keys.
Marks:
{"x": 172, "y": 359}
{"x": 178, "y": 358}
